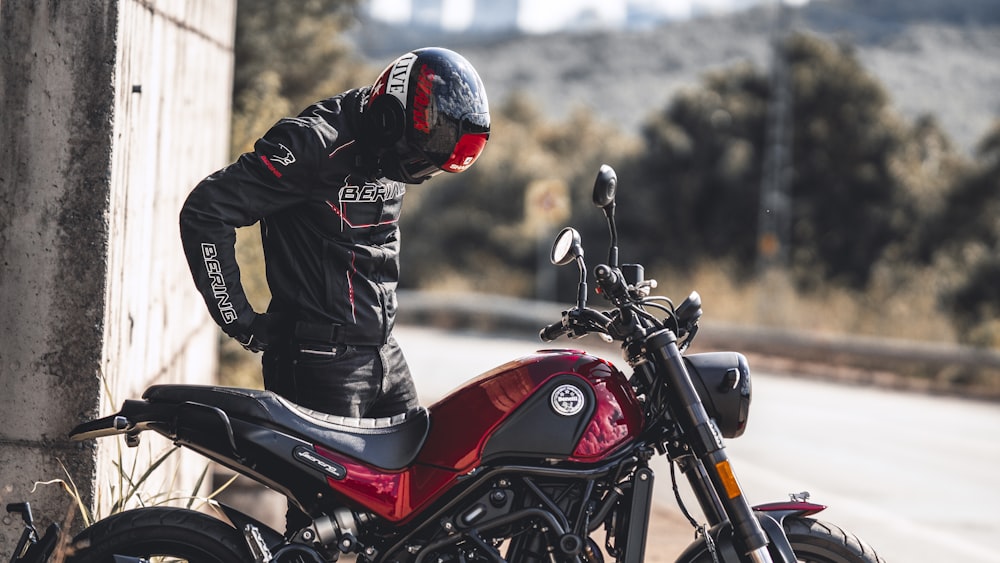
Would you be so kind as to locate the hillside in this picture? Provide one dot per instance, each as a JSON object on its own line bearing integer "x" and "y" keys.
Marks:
{"x": 934, "y": 57}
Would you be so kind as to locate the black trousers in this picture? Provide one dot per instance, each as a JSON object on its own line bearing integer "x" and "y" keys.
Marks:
{"x": 342, "y": 379}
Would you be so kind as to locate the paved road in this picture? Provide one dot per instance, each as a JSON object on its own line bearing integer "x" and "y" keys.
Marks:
{"x": 915, "y": 476}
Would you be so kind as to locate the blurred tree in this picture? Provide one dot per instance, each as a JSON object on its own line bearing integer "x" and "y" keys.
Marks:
{"x": 927, "y": 167}
{"x": 288, "y": 55}
{"x": 975, "y": 304}
{"x": 850, "y": 197}
{"x": 848, "y": 205}
{"x": 968, "y": 212}
{"x": 965, "y": 237}
{"x": 701, "y": 171}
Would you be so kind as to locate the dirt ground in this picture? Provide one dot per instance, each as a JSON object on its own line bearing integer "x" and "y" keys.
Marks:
{"x": 669, "y": 534}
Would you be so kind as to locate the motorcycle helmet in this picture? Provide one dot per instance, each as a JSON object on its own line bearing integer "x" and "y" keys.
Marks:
{"x": 427, "y": 113}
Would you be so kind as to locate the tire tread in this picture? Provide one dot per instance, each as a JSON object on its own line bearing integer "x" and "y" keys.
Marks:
{"x": 843, "y": 547}
{"x": 94, "y": 543}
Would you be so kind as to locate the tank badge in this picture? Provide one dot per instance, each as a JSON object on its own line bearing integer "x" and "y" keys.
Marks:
{"x": 567, "y": 400}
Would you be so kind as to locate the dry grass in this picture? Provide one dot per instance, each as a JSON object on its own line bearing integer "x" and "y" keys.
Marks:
{"x": 900, "y": 304}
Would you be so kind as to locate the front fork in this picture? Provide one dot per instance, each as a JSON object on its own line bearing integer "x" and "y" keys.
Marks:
{"x": 770, "y": 516}
{"x": 718, "y": 491}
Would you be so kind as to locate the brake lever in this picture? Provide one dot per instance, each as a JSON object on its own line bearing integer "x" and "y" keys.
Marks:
{"x": 577, "y": 323}
{"x": 644, "y": 288}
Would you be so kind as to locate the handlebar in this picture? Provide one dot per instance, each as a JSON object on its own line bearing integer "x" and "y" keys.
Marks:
{"x": 576, "y": 322}
{"x": 630, "y": 319}
{"x": 612, "y": 284}
{"x": 553, "y": 331}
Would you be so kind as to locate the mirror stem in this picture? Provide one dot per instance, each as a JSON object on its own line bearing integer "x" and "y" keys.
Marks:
{"x": 581, "y": 295}
{"x": 609, "y": 211}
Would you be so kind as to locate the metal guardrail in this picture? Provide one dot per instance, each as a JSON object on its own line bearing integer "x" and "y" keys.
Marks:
{"x": 931, "y": 366}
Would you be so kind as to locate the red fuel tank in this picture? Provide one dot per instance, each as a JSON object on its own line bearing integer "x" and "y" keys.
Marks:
{"x": 554, "y": 404}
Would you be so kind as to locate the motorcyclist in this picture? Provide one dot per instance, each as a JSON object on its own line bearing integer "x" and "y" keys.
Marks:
{"x": 327, "y": 187}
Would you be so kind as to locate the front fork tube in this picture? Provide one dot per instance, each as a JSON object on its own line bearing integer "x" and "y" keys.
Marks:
{"x": 706, "y": 443}
{"x": 708, "y": 500}
{"x": 701, "y": 485}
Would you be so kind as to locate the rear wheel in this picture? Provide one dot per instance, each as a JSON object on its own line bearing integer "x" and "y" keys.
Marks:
{"x": 160, "y": 534}
{"x": 815, "y": 541}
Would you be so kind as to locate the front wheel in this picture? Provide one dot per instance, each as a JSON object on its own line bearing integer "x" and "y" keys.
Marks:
{"x": 815, "y": 541}
{"x": 160, "y": 534}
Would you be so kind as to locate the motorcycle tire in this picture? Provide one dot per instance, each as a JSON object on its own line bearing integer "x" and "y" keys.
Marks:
{"x": 815, "y": 541}
{"x": 160, "y": 533}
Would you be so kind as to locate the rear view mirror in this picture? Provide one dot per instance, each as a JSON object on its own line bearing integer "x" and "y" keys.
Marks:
{"x": 605, "y": 187}
{"x": 567, "y": 247}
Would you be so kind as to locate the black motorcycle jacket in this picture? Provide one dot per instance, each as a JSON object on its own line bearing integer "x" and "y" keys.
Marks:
{"x": 328, "y": 225}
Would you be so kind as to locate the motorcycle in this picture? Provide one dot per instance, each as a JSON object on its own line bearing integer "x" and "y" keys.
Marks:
{"x": 525, "y": 463}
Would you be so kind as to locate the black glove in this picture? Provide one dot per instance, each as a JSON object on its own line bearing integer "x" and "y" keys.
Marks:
{"x": 259, "y": 337}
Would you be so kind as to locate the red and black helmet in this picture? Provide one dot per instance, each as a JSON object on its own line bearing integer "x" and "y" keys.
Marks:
{"x": 427, "y": 113}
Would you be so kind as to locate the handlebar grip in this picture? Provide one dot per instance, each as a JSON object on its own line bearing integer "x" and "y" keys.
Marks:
{"x": 605, "y": 274}
{"x": 611, "y": 284}
{"x": 551, "y": 332}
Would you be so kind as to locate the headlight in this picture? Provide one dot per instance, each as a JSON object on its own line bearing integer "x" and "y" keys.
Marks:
{"x": 723, "y": 383}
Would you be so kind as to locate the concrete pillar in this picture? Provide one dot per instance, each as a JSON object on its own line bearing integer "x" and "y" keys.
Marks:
{"x": 110, "y": 112}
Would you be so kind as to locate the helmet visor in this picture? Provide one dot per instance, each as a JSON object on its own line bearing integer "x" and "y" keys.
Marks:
{"x": 467, "y": 150}
{"x": 457, "y": 143}
{"x": 473, "y": 132}
{"x": 463, "y": 140}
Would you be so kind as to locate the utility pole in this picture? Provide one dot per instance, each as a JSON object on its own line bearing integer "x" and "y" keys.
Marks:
{"x": 546, "y": 205}
{"x": 774, "y": 223}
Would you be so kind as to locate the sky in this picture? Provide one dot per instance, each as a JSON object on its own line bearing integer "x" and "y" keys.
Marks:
{"x": 541, "y": 16}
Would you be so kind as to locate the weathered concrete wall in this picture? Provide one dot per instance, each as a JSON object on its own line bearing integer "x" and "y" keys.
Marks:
{"x": 110, "y": 111}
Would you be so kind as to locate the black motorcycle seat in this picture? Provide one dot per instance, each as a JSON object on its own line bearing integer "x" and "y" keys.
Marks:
{"x": 387, "y": 443}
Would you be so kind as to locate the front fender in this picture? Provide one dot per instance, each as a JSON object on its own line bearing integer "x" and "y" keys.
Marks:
{"x": 725, "y": 548}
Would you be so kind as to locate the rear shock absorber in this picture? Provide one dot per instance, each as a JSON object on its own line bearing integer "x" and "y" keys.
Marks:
{"x": 341, "y": 528}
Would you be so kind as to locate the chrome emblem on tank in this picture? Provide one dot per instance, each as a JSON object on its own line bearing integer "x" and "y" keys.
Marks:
{"x": 567, "y": 400}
